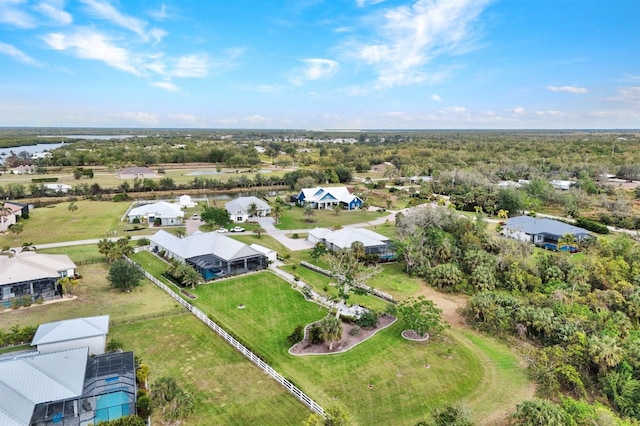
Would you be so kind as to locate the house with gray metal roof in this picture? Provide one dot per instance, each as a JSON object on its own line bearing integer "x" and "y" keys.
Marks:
{"x": 210, "y": 253}
{"x": 67, "y": 387}
{"x": 240, "y": 207}
{"x": 88, "y": 332}
{"x": 328, "y": 198}
{"x": 168, "y": 213}
{"x": 32, "y": 274}
{"x": 541, "y": 231}
{"x": 343, "y": 239}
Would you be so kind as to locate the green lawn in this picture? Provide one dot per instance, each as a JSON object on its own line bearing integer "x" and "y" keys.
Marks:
{"x": 95, "y": 297}
{"x": 228, "y": 389}
{"x": 93, "y": 219}
{"x": 78, "y": 253}
{"x": 404, "y": 390}
{"x": 293, "y": 218}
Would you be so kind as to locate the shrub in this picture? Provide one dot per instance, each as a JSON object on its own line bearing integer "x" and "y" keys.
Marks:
{"x": 355, "y": 330}
{"x": 113, "y": 345}
{"x": 368, "y": 319}
{"x": 295, "y": 236}
{"x": 136, "y": 220}
{"x": 157, "y": 222}
{"x": 121, "y": 197}
{"x": 141, "y": 375}
{"x": 592, "y": 225}
{"x": 26, "y": 300}
{"x": 296, "y": 336}
{"x": 306, "y": 291}
{"x": 143, "y": 405}
{"x": 15, "y": 303}
{"x": 143, "y": 242}
{"x": 315, "y": 334}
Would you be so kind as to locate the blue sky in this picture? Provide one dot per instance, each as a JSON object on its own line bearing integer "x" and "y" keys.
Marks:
{"x": 321, "y": 64}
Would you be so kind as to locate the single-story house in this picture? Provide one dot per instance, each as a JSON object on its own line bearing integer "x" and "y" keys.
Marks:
{"x": 59, "y": 336}
{"x": 383, "y": 167}
{"x": 34, "y": 274}
{"x": 564, "y": 185}
{"x": 419, "y": 179}
{"x": 343, "y": 239}
{"x": 328, "y": 197}
{"x": 136, "y": 173}
{"x": 505, "y": 184}
{"x": 212, "y": 254}
{"x": 9, "y": 215}
{"x": 19, "y": 209}
{"x": 542, "y": 232}
{"x": 66, "y": 388}
{"x": 271, "y": 254}
{"x": 239, "y": 208}
{"x": 23, "y": 169}
{"x": 185, "y": 201}
{"x": 168, "y": 213}
{"x": 57, "y": 188}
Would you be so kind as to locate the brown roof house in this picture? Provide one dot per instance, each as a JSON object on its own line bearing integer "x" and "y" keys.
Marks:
{"x": 136, "y": 173}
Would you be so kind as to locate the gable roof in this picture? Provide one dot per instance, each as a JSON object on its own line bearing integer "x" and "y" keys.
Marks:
{"x": 28, "y": 381}
{"x": 243, "y": 203}
{"x": 345, "y": 237}
{"x": 338, "y": 193}
{"x": 72, "y": 329}
{"x": 160, "y": 209}
{"x": 136, "y": 171}
{"x": 532, "y": 226}
{"x": 30, "y": 265}
{"x": 203, "y": 243}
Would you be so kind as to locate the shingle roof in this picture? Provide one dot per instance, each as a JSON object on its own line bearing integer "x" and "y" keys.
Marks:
{"x": 531, "y": 225}
{"x": 160, "y": 209}
{"x": 243, "y": 203}
{"x": 201, "y": 243}
{"x": 72, "y": 329}
{"x": 30, "y": 265}
{"x": 25, "y": 382}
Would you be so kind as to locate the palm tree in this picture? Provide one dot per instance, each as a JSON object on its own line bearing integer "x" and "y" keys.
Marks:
{"x": 252, "y": 210}
{"x": 605, "y": 351}
{"x": 277, "y": 212}
{"x": 191, "y": 277}
{"x": 308, "y": 212}
{"x": 181, "y": 233}
{"x": 332, "y": 330}
{"x": 358, "y": 249}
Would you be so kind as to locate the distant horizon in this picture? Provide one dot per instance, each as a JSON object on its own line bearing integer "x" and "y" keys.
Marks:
{"x": 321, "y": 64}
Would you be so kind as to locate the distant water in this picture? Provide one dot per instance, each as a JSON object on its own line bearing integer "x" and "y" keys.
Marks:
{"x": 31, "y": 149}
{"x": 215, "y": 172}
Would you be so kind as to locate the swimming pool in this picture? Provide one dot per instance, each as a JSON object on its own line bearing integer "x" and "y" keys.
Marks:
{"x": 112, "y": 406}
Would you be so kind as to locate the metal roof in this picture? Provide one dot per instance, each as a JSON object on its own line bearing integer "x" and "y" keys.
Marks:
{"x": 202, "y": 243}
{"x": 160, "y": 209}
{"x": 340, "y": 193}
{"x": 27, "y": 381}
{"x": 243, "y": 203}
{"x": 27, "y": 266}
{"x": 72, "y": 329}
{"x": 532, "y": 226}
{"x": 345, "y": 237}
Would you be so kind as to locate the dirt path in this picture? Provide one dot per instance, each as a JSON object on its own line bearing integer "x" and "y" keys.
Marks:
{"x": 493, "y": 400}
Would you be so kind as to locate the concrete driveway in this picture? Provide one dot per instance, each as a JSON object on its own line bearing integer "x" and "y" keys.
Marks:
{"x": 293, "y": 244}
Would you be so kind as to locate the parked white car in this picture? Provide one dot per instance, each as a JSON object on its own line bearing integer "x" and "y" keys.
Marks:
{"x": 222, "y": 230}
{"x": 237, "y": 229}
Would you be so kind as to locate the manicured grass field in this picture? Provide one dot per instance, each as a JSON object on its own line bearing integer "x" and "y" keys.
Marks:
{"x": 293, "y": 218}
{"x": 384, "y": 380}
{"x": 95, "y": 297}
{"x": 93, "y": 219}
{"x": 228, "y": 389}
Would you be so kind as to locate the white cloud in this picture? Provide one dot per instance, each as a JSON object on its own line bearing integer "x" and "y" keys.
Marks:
{"x": 628, "y": 94}
{"x": 567, "y": 89}
{"x": 365, "y": 3}
{"x": 190, "y": 66}
{"x": 55, "y": 13}
{"x": 105, "y": 10}
{"x": 143, "y": 118}
{"x": 184, "y": 118}
{"x": 160, "y": 14}
{"x": 410, "y": 37}
{"x": 165, "y": 85}
{"x": 10, "y": 13}
{"x": 519, "y": 110}
{"x": 436, "y": 98}
{"x": 90, "y": 44}
{"x": 17, "y": 54}
{"x": 315, "y": 69}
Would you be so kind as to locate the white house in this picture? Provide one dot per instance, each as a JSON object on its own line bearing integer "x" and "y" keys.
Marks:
{"x": 168, "y": 213}
{"x": 239, "y": 208}
{"x": 328, "y": 198}
{"x": 185, "y": 201}
{"x": 541, "y": 231}
{"x": 343, "y": 239}
{"x": 57, "y": 187}
{"x": 58, "y": 336}
{"x": 564, "y": 185}
{"x": 271, "y": 254}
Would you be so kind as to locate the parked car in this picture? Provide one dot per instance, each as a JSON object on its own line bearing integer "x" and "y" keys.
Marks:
{"x": 237, "y": 229}
{"x": 195, "y": 216}
{"x": 222, "y": 230}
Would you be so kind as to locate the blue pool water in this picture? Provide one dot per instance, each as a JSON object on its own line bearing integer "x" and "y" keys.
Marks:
{"x": 112, "y": 406}
{"x": 551, "y": 246}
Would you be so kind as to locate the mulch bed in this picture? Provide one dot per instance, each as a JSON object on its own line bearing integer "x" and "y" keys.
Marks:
{"x": 189, "y": 295}
{"x": 348, "y": 341}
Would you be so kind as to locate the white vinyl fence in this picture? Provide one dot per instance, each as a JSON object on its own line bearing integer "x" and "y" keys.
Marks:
{"x": 239, "y": 346}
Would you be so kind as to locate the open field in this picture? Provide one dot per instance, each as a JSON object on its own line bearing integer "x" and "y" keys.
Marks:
{"x": 228, "y": 389}
{"x": 94, "y": 297}
{"x": 293, "y": 218}
{"x": 402, "y": 390}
